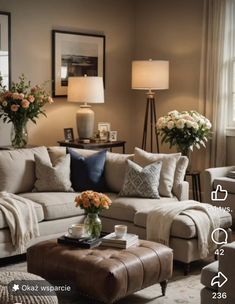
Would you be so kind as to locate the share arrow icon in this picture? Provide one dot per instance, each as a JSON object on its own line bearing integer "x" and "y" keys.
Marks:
{"x": 219, "y": 280}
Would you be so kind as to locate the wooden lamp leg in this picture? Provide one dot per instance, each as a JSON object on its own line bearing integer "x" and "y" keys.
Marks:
{"x": 150, "y": 111}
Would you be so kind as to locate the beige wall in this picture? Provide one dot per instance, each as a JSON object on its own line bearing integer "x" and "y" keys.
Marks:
{"x": 32, "y": 22}
{"x": 139, "y": 29}
{"x": 170, "y": 30}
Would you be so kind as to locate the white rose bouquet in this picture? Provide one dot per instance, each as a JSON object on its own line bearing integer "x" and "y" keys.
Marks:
{"x": 186, "y": 130}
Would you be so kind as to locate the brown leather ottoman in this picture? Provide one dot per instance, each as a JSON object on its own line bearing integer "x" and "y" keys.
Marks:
{"x": 103, "y": 274}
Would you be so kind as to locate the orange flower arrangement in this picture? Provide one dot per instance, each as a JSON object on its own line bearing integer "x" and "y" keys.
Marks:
{"x": 93, "y": 202}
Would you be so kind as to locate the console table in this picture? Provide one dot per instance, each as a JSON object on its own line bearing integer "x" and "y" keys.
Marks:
{"x": 94, "y": 145}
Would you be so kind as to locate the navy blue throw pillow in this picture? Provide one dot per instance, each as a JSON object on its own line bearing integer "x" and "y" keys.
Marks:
{"x": 87, "y": 173}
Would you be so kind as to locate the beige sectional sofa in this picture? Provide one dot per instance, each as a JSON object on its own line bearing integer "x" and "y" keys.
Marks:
{"x": 56, "y": 210}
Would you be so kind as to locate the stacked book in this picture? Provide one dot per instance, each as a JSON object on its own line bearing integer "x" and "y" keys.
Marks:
{"x": 111, "y": 240}
{"x": 84, "y": 242}
{"x": 231, "y": 174}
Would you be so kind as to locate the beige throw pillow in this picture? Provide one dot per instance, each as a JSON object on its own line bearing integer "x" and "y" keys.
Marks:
{"x": 169, "y": 162}
{"x": 115, "y": 170}
{"x": 180, "y": 170}
{"x": 17, "y": 169}
{"x": 53, "y": 178}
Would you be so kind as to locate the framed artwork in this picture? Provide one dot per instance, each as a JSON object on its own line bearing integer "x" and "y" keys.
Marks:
{"x": 5, "y": 48}
{"x": 75, "y": 54}
{"x": 68, "y": 134}
{"x": 113, "y": 136}
{"x": 104, "y": 129}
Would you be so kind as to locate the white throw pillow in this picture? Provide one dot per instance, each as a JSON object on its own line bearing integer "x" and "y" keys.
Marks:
{"x": 167, "y": 175}
{"x": 52, "y": 178}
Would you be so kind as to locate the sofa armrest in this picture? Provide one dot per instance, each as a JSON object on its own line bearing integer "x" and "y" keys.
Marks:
{"x": 182, "y": 191}
{"x": 226, "y": 266}
{"x": 209, "y": 176}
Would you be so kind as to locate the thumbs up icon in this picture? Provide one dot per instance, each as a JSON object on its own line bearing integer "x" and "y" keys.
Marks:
{"x": 214, "y": 194}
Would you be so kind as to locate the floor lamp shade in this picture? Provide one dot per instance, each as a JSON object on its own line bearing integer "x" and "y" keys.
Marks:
{"x": 87, "y": 89}
{"x": 150, "y": 75}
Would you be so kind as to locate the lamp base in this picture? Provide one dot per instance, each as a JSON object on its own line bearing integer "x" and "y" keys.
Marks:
{"x": 85, "y": 121}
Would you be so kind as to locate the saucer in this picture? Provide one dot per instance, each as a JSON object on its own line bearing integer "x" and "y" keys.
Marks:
{"x": 68, "y": 235}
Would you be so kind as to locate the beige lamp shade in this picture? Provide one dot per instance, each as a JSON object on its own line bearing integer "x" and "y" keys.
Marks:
{"x": 87, "y": 89}
{"x": 150, "y": 74}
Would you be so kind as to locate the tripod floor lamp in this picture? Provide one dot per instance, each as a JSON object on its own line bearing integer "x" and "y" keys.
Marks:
{"x": 150, "y": 75}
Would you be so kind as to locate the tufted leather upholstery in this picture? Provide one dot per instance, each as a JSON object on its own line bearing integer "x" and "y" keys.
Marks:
{"x": 104, "y": 274}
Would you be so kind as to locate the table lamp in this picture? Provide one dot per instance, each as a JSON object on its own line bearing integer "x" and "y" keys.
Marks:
{"x": 86, "y": 89}
{"x": 150, "y": 75}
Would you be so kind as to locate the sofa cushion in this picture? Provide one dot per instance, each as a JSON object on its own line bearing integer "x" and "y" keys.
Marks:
{"x": 17, "y": 169}
{"x": 183, "y": 226}
{"x": 87, "y": 173}
{"x": 52, "y": 178}
{"x": 169, "y": 161}
{"x": 208, "y": 273}
{"x": 39, "y": 213}
{"x": 125, "y": 208}
{"x": 56, "y": 152}
{"x": 180, "y": 170}
{"x": 227, "y": 183}
{"x": 115, "y": 170}
{"x": 115, "y": 165}
{"x": 141, "y": 182}
{"x": 56, "y": 205}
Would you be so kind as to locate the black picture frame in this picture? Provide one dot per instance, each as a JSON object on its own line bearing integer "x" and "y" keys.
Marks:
{"x": 75, "y": 54}
{"x": 68, "y": 134}
{"x": 5, "y": 25}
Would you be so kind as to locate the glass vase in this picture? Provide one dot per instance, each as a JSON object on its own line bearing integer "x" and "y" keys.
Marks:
{"x": 19, "y": 134}
{"x": 93, "y": 225}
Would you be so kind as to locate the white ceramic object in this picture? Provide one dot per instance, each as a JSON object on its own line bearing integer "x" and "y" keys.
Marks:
{"x": 120, "y": 230}
{"x": 76, "y": 230}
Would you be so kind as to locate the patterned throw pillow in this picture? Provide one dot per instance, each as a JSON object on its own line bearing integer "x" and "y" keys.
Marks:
{"x": 141, "y": 182}
{"x": 52, "y": 178}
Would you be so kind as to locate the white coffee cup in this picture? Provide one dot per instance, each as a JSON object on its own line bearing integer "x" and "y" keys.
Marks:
{"x": 120, "y": 230}
{"x": 76, "y": 230}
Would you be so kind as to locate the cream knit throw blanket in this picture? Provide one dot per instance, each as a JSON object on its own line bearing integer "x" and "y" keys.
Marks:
{"x": 21, "y": 219}
{"x": 205, "y": 217}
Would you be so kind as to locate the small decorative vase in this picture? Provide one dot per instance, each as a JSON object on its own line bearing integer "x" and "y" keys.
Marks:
{"x": 19, "y": 134}
{"x": 93, "y": 225}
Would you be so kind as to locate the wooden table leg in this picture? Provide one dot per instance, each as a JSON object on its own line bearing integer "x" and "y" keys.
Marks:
{"x": 164, "y": 286}
{"x": 199, "y": 188}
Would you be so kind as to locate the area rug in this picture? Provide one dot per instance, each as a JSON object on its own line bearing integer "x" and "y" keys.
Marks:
{"x": 181, "y": 289}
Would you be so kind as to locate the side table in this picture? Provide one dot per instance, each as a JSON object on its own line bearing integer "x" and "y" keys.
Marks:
{"x": 94, "y": 145}
{"x": 196, "y": 184}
